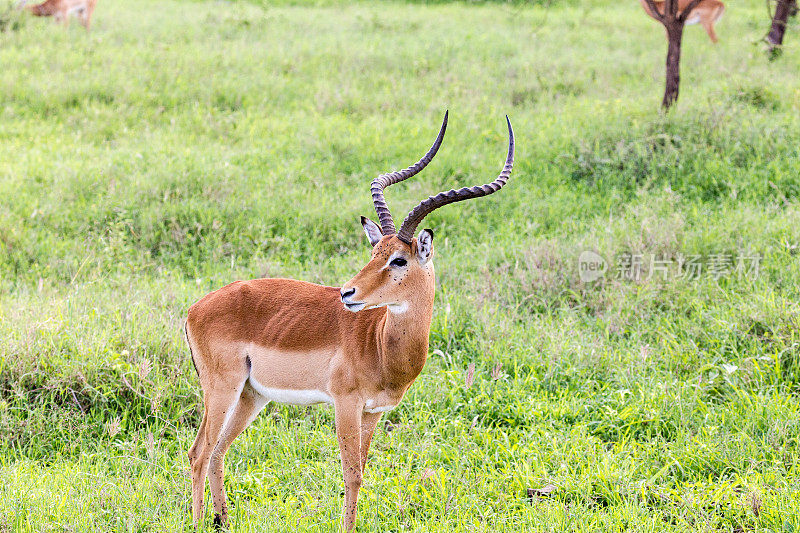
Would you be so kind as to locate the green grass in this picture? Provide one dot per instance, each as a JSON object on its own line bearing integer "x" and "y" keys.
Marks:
{"x": 182, "y": 145}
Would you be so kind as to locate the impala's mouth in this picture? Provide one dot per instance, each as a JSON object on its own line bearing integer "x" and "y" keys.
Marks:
{"x": 349, "y": 304}
{"x": 354, "y": 306}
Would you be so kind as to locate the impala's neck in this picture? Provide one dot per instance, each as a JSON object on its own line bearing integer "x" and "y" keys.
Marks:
{"x": 403, "y": 336}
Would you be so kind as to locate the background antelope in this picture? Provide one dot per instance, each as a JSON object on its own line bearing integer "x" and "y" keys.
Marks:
{"x": 359, "y": 347}
{"x": 60, "y": 10}
{"x": 707, "y": 13}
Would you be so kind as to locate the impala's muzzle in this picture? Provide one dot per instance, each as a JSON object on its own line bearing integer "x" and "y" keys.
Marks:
{"x": 347, "y": 300}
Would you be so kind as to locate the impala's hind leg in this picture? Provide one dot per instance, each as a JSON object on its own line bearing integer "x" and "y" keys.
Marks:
{"x": 198, "y": 440}
{"x": 247, "y": 409}
{"x": 83, "y": 16}
{"x": 709, "y": 27}
{"x": 86, "y": 15}
{"x": 220, "y": 400}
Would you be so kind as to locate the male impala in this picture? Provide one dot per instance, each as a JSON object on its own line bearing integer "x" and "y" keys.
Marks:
{"x": 359, "y": 347}
{"x": 707, "y": 13}
{"x": 60, "y": 10}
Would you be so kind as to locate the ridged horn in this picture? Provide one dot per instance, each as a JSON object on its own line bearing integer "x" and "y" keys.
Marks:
{"x": 384, "y": 180}
{"x": 425, "y": 207}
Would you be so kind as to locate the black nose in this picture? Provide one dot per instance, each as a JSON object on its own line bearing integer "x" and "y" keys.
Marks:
{"x": 346, "y": 293}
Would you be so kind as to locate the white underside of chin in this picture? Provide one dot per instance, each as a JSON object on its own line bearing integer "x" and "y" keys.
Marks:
{"x": 398, "y": 309}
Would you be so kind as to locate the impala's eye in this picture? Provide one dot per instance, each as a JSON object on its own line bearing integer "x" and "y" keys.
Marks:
{"x": 398, "y": 262}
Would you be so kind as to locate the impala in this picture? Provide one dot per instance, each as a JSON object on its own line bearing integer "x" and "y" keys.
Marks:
{"x": 358, "y": 347}
{"x": 707, "y": 13}
{"x": 60, "y": 10}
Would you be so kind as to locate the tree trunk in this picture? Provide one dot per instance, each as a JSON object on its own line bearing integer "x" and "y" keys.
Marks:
{"x": 782, "y": 11}
{"x": 674, "y": 36}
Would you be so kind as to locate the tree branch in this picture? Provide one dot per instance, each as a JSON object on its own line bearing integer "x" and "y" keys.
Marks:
{"x": 685, "y": 13}
{"x": 654, "y": 11}
{"x": 671, "y": 10}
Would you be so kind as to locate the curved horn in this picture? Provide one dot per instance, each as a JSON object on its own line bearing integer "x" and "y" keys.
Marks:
{"x": 384, "y": 180}
{"x": 422, "y": 210}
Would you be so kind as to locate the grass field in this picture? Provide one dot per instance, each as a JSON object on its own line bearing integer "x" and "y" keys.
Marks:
{"x": 183, "y": 145}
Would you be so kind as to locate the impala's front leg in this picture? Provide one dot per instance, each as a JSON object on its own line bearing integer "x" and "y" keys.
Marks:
{"x": 348, "y": 432}
{"x": 369, "y": 421}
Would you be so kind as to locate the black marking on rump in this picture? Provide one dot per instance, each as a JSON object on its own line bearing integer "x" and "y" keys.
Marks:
{"x": 191, "y": 353}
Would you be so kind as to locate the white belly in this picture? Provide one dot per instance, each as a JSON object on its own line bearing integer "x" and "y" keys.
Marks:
{"x": 291, "y": 396}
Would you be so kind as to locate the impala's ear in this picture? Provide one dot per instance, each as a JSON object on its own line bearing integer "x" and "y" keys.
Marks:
{"x": 425, "y": 246}
{"x": 372, "y": 230}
